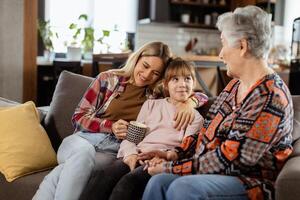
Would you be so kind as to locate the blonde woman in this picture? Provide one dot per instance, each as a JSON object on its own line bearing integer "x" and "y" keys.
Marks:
{"x": 101, "y": 118}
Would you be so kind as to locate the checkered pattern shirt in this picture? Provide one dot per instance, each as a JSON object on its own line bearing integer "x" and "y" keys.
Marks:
{"x": 100, "y": 93}
{"x": 250, "y": 140}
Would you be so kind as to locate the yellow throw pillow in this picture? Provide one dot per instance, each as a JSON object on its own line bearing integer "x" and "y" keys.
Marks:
{"x": 24, "y": 144}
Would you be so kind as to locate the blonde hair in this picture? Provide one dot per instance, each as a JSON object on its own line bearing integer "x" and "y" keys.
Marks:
{"x": 178, "y": 67}
{"x": 157, "y": 49}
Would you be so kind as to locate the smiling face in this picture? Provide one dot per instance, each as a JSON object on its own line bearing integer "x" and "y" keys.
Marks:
{"x": 180, "y": 87}
{"x": 147, "y": 70}
{"x": 231, "y": 56}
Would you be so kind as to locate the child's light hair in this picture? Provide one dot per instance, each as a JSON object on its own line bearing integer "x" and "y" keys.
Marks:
{"x": 178, "y": 67}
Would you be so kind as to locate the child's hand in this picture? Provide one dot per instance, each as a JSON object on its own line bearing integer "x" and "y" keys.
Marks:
{"x": 172, "y": 155}
{"x": 151, "y": 154}
{"x": 131, "y": 161}
{"x": 119, "y": 128}
{"x": 184, "y": 115}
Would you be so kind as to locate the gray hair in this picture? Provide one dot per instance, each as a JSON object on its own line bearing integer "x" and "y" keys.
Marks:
{"x": 250, "y": 23}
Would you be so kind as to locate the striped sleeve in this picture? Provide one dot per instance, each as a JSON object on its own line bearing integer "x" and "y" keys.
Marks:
{"x": 199, "y": 98}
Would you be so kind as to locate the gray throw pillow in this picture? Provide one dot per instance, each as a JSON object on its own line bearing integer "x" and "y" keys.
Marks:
{"x": 68, "y": 93}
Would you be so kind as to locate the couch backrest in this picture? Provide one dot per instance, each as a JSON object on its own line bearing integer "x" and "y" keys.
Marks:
{"x": 296, "y": 126}
{"x": 68, "y": 93}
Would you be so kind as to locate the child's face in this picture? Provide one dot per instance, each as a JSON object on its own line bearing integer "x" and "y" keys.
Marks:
{"x": 180, "y": 88}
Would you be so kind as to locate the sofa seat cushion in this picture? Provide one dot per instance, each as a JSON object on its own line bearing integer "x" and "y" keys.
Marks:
{"x": 21, "y": 189}
{"x": 287, "y": 183}
{"x": 24, "y": 145}
{"x": 296, "y": 122}
{"x": 296, "y": 150}
{"x": 68, "y": 92}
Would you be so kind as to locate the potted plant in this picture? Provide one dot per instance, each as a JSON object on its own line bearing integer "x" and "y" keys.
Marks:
{"x": 104, "y": 44}
{"x": 86, "y": 33}
{"x": 84, "y": 37}
{"x": 47, "y": 36}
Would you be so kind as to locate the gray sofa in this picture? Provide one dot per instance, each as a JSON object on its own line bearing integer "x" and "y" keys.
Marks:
{"x": 56, "y": 119}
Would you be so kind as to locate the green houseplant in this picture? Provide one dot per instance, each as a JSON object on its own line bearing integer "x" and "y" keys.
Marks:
{"x": 87, "y": 42}
{"x": 85, "y": 37}
{"x": 47, "y": 35}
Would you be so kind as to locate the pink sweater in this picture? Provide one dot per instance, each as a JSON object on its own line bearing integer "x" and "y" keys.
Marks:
{"x": 158, "y": 116}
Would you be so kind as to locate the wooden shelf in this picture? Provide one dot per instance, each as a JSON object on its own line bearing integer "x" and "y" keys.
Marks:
{"x": 195, "y": 3}
{"x": 197, "y": 25}
{"x": 265, "y": 1}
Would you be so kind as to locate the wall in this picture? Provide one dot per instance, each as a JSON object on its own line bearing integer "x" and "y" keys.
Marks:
{"x": 178, "y": 37}
{"x": 11, "y": 49}
{"x": 291, "y": 12}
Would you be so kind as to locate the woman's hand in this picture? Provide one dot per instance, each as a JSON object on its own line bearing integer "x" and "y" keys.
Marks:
{"x": 119, "y": 128}
{"x": 151, "y": 154}
{"x": 184, "y": 114}
{"x": 131, "y": 161}
{"x": 167, "y": 155}
{"x": 155, "y": 166}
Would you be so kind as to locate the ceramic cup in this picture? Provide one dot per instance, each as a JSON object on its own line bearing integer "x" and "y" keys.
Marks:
{"x": 136, "y": 132}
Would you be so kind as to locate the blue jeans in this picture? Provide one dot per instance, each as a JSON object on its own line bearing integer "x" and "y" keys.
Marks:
{"x": 76, "y": 161}
{"x": 102, "y": 141}
{"x": 200, "y": 187}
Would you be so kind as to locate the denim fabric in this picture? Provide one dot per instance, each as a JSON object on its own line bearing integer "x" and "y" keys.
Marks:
{"x": 76, "y": 160}
{"x": 208, "y": 187}
{"x": 102, "y": 141}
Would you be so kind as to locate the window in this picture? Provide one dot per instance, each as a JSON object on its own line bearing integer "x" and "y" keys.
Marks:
{"x": 116, "y": 16}
{"x": 291, "y": 12}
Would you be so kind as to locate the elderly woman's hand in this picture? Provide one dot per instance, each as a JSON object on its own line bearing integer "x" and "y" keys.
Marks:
{"x": 184, "y": 114}
{"x": 119, "y": 128}
{"x": 155, "y": 166}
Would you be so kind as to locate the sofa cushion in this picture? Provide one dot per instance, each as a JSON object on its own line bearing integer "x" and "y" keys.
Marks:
{"x": 68, "y": 92}
{"x": 24, "y": 145}
{"x": 296, "y": 126}
{"x": 22, "y": 188}
{"x": 5, "y": 102}
{"x": 287, "y": 182}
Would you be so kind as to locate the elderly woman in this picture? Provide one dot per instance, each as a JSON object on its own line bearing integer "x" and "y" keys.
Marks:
{"x": 247, "y": 133}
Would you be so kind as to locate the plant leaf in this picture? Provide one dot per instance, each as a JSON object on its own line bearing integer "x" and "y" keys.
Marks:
{"x": 83, "y": 16}
{"x": 106, "y": 33}
{"x": 72, "y": 26}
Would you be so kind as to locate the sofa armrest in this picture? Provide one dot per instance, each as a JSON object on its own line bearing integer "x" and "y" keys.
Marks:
{"x": 288, "y": 181}
{"x": 43, "y": 110}
{"x": 8, "y": 103}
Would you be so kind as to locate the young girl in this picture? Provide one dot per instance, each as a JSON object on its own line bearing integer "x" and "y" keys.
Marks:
{"x": 122, "y": 180}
